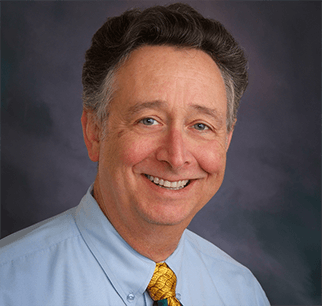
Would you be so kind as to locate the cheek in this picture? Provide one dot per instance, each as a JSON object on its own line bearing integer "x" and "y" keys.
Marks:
{"x": 136, "y": 149}
{"x": 211, "y": 158}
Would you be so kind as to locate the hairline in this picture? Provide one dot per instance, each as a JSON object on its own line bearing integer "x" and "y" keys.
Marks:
{"x": 108, "y": 88}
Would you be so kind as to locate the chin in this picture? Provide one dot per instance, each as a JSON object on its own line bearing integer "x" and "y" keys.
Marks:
{"x": 168, "y": 216}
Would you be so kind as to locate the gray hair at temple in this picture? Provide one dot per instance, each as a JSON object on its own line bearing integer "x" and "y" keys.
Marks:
{"x": 177, "y": 25}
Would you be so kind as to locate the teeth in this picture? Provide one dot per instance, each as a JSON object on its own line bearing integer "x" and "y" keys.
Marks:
{"x": 173, "y": 185}
{"x": 167, "y": 184}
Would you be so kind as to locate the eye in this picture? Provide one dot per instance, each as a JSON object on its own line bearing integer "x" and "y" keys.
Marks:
{"x": 200, "y": 127}
{"x": 148, "y": 121}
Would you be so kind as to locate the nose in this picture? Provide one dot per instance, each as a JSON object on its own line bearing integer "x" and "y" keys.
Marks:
{"x": 173, "y": 150}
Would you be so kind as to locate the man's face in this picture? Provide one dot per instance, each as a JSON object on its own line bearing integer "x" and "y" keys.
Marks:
{"x": 164, "y": 153}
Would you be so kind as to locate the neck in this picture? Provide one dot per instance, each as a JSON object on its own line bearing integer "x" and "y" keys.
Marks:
{"x": 155, "y": 244}
{"x": 154, "y": 241}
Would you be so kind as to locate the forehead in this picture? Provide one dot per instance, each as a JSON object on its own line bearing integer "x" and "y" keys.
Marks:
{"x": 167, "y": 73}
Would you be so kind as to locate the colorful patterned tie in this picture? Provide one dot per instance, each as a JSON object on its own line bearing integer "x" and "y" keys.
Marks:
{"x": 162, "y": 286}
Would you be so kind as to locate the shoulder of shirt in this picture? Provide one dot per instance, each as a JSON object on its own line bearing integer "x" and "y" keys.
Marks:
{"x": 212, "y": 253}
{"x": 224, "y": 269}
{"x": 38, "y": 237}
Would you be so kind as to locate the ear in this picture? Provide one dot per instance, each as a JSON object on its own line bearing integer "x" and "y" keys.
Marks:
{"x": 91, "y": 133}
{"x": 230, "y": 135}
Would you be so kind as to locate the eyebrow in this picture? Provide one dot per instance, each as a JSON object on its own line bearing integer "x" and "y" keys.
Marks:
{"x": 140, "y": 106}
{"x": 212, "y": 112}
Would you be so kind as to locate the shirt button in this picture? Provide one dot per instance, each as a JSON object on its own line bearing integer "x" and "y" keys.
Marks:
{"x": 178, "y": 296}
{"x": 130, "y": 297}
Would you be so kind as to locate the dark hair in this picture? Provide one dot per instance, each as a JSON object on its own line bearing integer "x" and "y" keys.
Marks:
{"x": 176, "y": 25}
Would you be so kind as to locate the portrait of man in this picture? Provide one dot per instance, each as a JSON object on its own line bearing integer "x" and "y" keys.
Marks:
{"x": 173, "y": 199}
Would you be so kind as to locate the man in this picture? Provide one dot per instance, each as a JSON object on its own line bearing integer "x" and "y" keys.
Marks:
{"x": 161, "y": 92}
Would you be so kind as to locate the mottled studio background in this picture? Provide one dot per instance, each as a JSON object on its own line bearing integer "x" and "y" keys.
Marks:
{"x": 267, "y": 214}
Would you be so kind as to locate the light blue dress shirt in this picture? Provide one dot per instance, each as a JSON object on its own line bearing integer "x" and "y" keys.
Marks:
{"x": 77, "y": 258}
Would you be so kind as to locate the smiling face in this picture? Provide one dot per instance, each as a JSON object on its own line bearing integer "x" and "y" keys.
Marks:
{"x": 164, "y": 153}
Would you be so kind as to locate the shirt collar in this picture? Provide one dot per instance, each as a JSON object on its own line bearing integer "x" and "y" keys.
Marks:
{"x": 174, "y": 261}
{"x": 115, "y": 256}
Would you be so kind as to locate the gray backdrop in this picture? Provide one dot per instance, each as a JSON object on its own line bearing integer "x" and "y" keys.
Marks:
{"x": 266, "y": 215}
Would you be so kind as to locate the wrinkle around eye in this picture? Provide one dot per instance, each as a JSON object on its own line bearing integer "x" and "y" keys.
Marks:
{"x": 209, "y": 132}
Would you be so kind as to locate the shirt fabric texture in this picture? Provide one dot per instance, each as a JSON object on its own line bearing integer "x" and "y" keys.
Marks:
{"x": 78, "y": 258}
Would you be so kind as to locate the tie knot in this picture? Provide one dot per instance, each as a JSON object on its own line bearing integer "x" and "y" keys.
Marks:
{"x": 163, "y": 284}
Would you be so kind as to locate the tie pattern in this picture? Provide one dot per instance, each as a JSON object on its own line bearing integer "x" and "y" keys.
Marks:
{"x": 162, "y": 287}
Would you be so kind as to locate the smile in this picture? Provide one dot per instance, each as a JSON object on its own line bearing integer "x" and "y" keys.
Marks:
{"x": 177, "y": 185}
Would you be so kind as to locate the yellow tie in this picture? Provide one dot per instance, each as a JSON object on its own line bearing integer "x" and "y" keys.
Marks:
{"x": 162, "y": 285}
